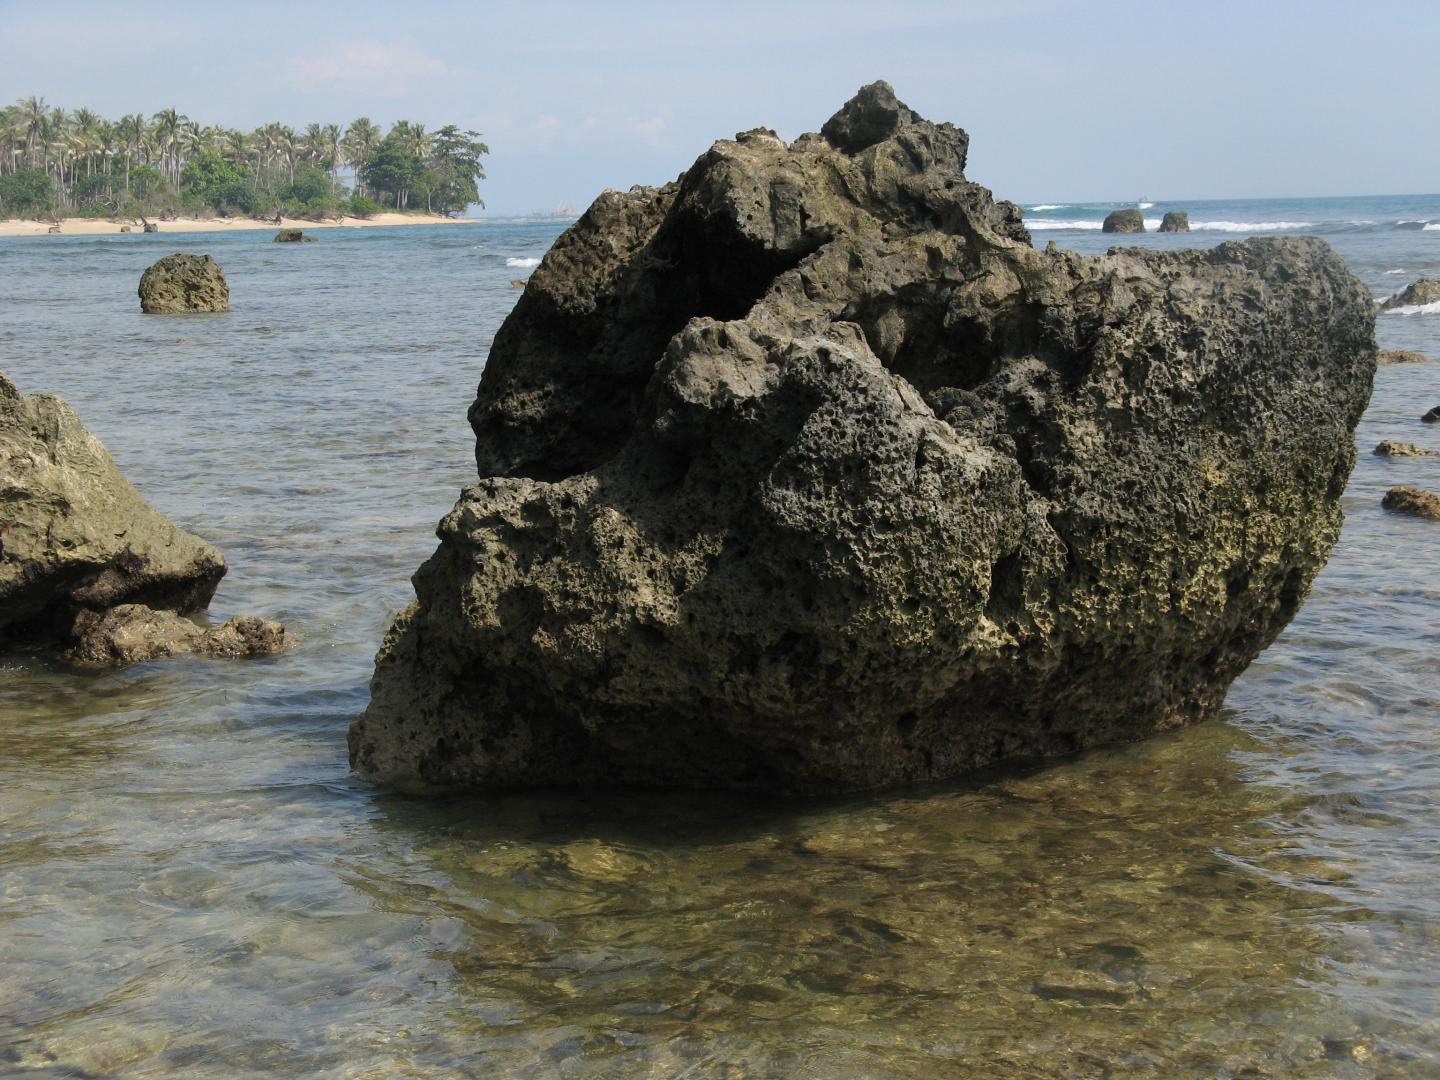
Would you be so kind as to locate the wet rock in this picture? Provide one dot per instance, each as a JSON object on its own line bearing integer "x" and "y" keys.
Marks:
{"x": 134, "y": 633}
{"x": 1175, "y": 221}
{"x": 1412, "y": 500}
{"x": 293, "y": 236}
{"x": 1424, "y": 291}
{"x": 75, "y": 535}
{"x": 808, "y": 472}
{"x": 1390, "y": 448}
{"x": 1124, "y": 221}
{"x": 517, "y": 283}
{"x": 1402, "y": 356}
{"x": 1432, "y": 416}
{"x": 184, "y": 283}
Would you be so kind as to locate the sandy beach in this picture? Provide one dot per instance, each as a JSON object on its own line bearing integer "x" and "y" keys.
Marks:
{"x": 103, "y": 227}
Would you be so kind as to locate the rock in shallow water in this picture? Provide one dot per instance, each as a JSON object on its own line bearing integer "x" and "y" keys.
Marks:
{"x": 1417, "y": 502}
{"x": 1417, "y": 293}
{"x": 807, "y": 471}
{"x": 1123, "y": 221}
{"x": 134, "y": 633}
{"x": 183, "y": 283}
{"x": 75, "y": 535}
{"x": 1402, "y": 356}
{"x": 1175, "y": 221}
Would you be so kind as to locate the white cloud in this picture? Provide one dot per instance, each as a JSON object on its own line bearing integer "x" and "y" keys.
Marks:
{"x": 364, "y": 65}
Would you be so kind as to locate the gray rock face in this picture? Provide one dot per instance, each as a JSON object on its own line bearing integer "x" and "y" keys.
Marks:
{"x": 1424, "y": 291}
{"x": 808, "y": 472}
{"x": 1417, "y": 502}
{"x": 1174, "y": 221}
{"x": 1123, "y": 221}
{"x": 134, "y": 633}
{"x": 75, "y": 535}
{"x": 184, "y": 283}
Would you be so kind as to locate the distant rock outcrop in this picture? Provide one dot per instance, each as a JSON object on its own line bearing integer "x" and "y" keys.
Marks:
{"x": 808, "y": 472}
{"x": 1423, "y": 291}
{"x": 1417, "y": 502}
{"x": 184, "y": 283}
{"x": 1175, "y": 221}
{"x": 293, "y": 236}
{"x": 1402, "y": 356}
{"x": 1433, "y": 416}
{"x": 1390, "y": 448}
{"x": 1124, "y": 221}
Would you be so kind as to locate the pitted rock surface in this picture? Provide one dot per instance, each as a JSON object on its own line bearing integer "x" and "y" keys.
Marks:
{"x": 182, "y": 283}
{"x": 807, "y": 472}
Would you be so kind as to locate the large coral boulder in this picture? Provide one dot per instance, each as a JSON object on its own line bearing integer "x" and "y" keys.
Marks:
{"x": 1173, "y": 221}
{"x": 75, "y": 535}
{"x": 807, "y": 471}
{"x": 184, "y": 283}
{"x": 1123, "y": 221}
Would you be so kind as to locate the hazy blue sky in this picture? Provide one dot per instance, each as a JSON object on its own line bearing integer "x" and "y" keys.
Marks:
{"x": 1102, "y": 100}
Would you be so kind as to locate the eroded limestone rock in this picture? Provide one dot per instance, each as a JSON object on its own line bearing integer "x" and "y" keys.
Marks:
{"x": 807, "y": 471}
{"x": 75, "y": 535}
{"x": 1123, "y": 221}
{"x": 184, "y": 283}
{"x": 1391, "y": 448}
{"x": 1175, "y": 221}
{"x": 1423, "y": 291}
{"x": 1402, "y": 356}
{"x": 134, "y": 633}
{"x": 1417, "y": 502}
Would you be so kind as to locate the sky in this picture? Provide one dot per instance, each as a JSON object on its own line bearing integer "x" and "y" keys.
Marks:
{"x": 1089, "y": 100}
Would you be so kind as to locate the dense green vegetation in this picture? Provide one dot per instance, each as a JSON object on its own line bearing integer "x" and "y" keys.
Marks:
{"x": 54, "y": 162}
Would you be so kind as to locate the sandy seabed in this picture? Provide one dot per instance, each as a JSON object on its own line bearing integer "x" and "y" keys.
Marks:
{"x": 103, "y": 227}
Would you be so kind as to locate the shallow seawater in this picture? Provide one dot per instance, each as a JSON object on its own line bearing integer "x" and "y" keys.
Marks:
{"x": 191, "y": 883}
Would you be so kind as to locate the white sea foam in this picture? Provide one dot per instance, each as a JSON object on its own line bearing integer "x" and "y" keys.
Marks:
{"x": 522, "y": 264}
{"x": 1415, "y": 309}
{"x": 1430, "y": 226}
{"x": 1050, "y": 206}
{"x": 1249, "y": 226}
{"x": 1398, "y": 270}
{"x": 1144, "y": 205}
{"x": 1041, "y": 225}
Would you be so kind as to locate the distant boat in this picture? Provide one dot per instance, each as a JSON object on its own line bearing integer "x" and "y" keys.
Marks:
{"x": 1143, "y": 203}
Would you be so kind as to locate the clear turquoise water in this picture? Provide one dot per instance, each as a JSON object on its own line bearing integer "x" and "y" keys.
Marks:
{"x": 191, "y": 883}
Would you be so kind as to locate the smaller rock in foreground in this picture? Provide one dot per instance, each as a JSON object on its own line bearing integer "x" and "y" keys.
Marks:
{"x": 182, "y": 283}
{"x": 1390, "y": 448}
{"x": 1414, "y": 501}
{"x": 1401, "y": 356}
{"x": 293, "y": 236}
{"x": 134, "y": 633}
{"x": 1175, "y": 221}
{"x": 1424, "y": 291}
{"x": 1124, "y": 221}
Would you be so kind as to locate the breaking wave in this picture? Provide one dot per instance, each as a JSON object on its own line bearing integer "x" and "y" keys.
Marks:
{"x": 521, "y": 264}
{"x": 1415, "y": 309}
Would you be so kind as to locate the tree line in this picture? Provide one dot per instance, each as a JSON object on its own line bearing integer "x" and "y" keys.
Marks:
{"x": 54, "y": 161}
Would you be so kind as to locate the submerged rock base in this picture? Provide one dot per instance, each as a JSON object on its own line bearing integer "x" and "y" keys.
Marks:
{"x": 808, "y": 472}
{"x": 133, "y": 633}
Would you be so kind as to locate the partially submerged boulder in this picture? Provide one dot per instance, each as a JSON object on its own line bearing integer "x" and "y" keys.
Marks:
{"x": 1391, "y": 448}
{"x": 1175, "y": 221}
{"x": 75, "y": 535}
{"x": 1432, "y": 416}
{"x": 134, "y": 633}
{"x": 87, "y": 566}
{"x": 1402, "y": 356}
{"x": 1417, "y": 502}
{"x": 293, "y": 236}
{"x": 184, "y": 283}
{"x": 806, "y": 471}
{"x": 1418, "y": 293}
{"x": 1123, "y": 221}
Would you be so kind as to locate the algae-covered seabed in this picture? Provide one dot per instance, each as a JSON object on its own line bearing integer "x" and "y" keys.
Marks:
{"x": 191, "y": 884}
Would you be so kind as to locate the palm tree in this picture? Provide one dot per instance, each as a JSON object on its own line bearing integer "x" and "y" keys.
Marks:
{"x": 287, "y": 146}
{"x": 360, "y": 139}
{"x": 132, "y": 137}
{"x": 33, "y": 117}
{"x": 167, "y": 137}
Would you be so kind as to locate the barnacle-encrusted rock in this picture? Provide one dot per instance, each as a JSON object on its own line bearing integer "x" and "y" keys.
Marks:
{"x": 75, "y": 535}
{"x": 807, "y": 471}
{"x": 182, "y": 283}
